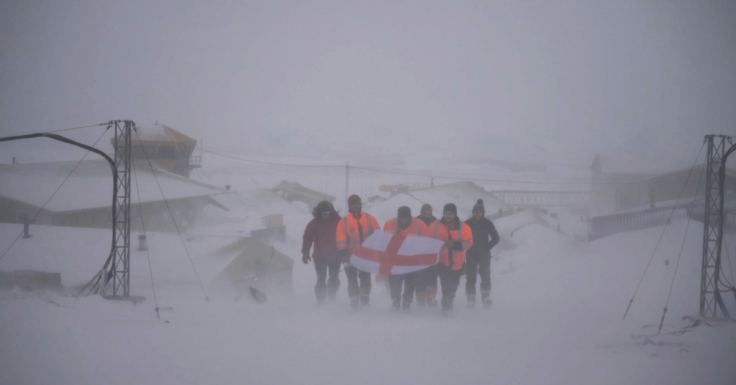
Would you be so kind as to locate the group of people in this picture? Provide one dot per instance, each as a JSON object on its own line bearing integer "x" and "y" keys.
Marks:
{"x": 467, "y": 250}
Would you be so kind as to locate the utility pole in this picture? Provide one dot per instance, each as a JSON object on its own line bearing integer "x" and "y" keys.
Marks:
{"x": 347, "y": 181}
{"x": 120, "y": 268}
{"x": 715, "y": 168}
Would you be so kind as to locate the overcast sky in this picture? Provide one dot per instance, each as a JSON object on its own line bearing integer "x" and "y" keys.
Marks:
{"x": 551, "y": 81}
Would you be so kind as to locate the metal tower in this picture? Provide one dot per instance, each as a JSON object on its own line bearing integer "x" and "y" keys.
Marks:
{"x": 715, "y": 179}
{"x": 120, "y": 268}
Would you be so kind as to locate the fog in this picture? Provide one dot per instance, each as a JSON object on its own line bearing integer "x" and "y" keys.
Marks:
{"x": 430, "y": 102}
{"x": 552, "y": 82}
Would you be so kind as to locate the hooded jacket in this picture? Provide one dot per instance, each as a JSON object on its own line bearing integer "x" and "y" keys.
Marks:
{"x": 321, "y": 233}
{"x": 485, "y": 236}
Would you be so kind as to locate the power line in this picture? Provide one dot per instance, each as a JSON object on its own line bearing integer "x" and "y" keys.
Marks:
{"x": 435, "y": 174}
{"x": 682, "y": 246}
{"x": 269, "y": 163}
{"x": 148, "y": 254}
{"x": 401, "y": 172}
{"x": 52, "y": 195}
{"x": 669, "y": 219}
{"x": 173, "y": 219}
{"x": 77, "y": 128}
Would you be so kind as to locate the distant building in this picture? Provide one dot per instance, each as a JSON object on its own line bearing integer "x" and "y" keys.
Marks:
{"x": 85, "y": 199}
{"x": 166, "y": 148}
{"x": 625, "y": 183}
{"x": 294, "y": 192}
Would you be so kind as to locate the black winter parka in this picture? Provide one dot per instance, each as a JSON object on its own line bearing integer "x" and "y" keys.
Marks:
{"x": 485, "y": 236}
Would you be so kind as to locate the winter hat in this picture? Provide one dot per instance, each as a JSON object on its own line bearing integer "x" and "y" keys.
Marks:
{"x": 425, "y": 207}
{"x": 404, "y": 212}
{"x": 354, "y": 199}
{"x": 479, "y": 206}
{"x": 450, "y": 207}
{"x": 321, "y": 208}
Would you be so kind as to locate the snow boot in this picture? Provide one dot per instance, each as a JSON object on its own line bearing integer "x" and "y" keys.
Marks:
{"x": 487, "y": 303}
{"x": 395, "y": 305}
{"x": 320, "y": 292}
{"x": 355, "y": 304}
{"x": 364, "y": 301}
{"x": 406, "y": 304}
{"x": 446, "y": 307}
{"x": 421, "y": 299}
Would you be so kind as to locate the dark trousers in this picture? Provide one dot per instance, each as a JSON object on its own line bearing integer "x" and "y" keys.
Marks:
{"x": 322, "y": 290}
{"x": 450, "y": 280}
{"x": 355, "y": 291}
{"x": 408, "y": 281}
{"x": 426, "y": 286}
{"x": 474, "y": 265}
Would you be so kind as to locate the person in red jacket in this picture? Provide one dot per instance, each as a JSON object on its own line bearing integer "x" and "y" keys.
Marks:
{"x": 321, "y": 232}
{"x": 403, "y": 225}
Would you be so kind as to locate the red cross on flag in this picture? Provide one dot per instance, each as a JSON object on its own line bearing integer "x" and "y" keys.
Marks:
{"x": 385, "y": 254}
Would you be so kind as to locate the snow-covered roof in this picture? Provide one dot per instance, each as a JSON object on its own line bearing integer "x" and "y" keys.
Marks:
{"x": 388, "y": 209}
{"x": 90, "y": 186}
{"x": 463, "y": 194}
{"x": 79, "y": 253}
{"x": 160, "y": 133}
{"x": 246, "y": 211}
{"x": 299, "y": 189}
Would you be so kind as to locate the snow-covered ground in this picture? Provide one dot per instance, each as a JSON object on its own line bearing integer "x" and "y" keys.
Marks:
{"x": 556, "y": 319}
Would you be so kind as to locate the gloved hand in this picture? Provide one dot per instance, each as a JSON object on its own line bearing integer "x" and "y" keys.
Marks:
{"x": 344, "y": 255}
{"x": 305, "y": 257}
{"x": 448, "y": 244}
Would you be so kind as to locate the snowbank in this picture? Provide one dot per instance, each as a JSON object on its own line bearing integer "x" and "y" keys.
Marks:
{"x": 556, "y": 319}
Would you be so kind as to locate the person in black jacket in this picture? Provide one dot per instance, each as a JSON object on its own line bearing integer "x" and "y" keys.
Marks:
{"x": 478, "y": 257}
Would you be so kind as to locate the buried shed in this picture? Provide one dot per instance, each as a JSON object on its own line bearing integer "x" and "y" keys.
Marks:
{"x": 257, "y": 264}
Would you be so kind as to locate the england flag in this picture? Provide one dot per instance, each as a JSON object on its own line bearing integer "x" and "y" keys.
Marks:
{"x": 385, "y": 254}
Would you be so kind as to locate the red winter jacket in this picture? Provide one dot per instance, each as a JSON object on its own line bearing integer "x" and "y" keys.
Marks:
{"x": 322, "y": 233}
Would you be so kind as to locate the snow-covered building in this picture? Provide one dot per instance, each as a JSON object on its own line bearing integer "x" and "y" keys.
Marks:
{"x": 293, "y": 191}
{"x": 226, "y": 263}
{"x": 165, "y": 147}
{"x": 256, "y": 264}
{"x": 85, "y": 198}
{"x": 463, "y": 194}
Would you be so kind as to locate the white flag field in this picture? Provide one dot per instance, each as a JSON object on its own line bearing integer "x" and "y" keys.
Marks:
{"x": 386, "y": 253}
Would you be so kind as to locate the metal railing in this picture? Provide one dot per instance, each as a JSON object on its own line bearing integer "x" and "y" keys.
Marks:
{"x": 604, "y": 225}
{"x": 30, "y": 278}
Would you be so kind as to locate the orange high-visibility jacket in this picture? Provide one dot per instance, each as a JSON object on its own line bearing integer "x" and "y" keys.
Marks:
{"x": 463, "y": 235}
{"x": 347, "y": 230}
{"x": 416, "y": 227}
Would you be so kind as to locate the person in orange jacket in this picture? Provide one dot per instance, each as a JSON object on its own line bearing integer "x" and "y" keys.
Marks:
{"x": 458, "y": 238}
{"x": 404, "y": 224}
{"x": 426, "y": 288}
{"x": 352, "y": 230}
